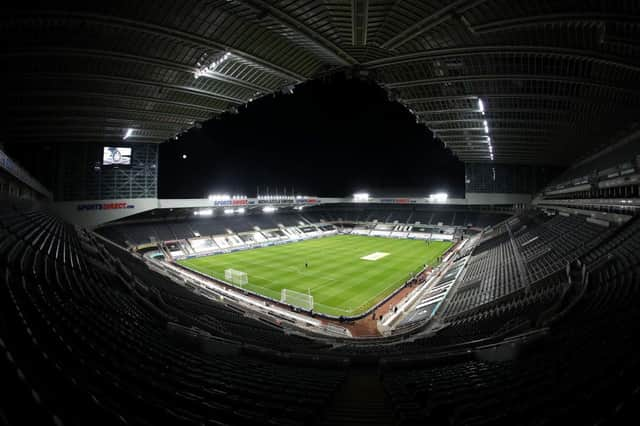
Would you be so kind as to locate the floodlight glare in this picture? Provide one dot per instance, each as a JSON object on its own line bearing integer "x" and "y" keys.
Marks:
{"x": 240, "y": 210}
{"x": 212, "y": 66}
{"x": 481, "y": 106}
{"x": 127, "y": 134}
{"x": 203, "y": 212}
{"x": 439, "y": 197}
{"x": 269, "y": 209}
{"x": 361, "y": 196}
{"x": 228, "y": 211}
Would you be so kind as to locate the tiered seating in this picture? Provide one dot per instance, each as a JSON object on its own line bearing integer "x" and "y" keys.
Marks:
{"x": 82, "y": 346}
{"x": 90, "y": 336}
{"x": 517, "y": 311}
{"x": 557, "y": 241}
{"x": 169, "y": 229}
{"x": 614, "y": 273}
{"x": 576, "y": 383}
{"x": 401, "y": 216}
{"x": 488, "y": 276}
{"x": 380, "y": 215}
{"x": 141, "y": 233}
{"x": 584, "y": 372}
{"x": 444, "y": 218}
{"x": 508, "y": 259}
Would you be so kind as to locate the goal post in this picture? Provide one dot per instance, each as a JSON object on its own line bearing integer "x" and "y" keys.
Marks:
{"x": 297, "y": 299}
{"x": 236, "y": 277}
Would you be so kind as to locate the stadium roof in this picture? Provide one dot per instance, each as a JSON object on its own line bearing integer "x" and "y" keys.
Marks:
{"x": 555, "y": 78}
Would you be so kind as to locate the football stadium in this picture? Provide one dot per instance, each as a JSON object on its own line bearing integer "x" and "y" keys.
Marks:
{"x": 470, "y": 253}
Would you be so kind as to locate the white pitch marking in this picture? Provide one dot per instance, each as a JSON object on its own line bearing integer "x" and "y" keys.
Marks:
{"x": 375, "y": 256}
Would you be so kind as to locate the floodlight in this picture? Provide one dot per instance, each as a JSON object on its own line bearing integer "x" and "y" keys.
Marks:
{"x": 184, "y": 156}
{"x": 361, "y": 196}
{"x": 203, "y": 212}
{"x": 269, "y": 209}
{"x": 439, "y": 197}
{"x": 228, "y": 211}
{"x": 127, "y": 134}
{"x": 219, "y": 197}
{"x": 240, "y": 210}
{"x": 481, "y": 106}
{"x": 486, "y": 126}
{"x": 212, "y": 66}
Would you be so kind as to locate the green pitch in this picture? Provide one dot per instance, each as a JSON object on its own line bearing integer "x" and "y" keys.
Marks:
{"x": 340, "y": 282}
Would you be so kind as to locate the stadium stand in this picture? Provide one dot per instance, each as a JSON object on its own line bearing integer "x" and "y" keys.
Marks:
{"x": 584, "y": 370}
{"x": 73, "y": 306}
{"x": 97, "y": 339}
{"x": 144, "y": 231}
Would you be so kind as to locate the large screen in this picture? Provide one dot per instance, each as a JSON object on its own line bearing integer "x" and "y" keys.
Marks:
{"x": 116, "y": 156}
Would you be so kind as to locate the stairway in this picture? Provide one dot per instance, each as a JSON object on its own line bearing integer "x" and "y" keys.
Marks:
{"x": 359, "y": 401}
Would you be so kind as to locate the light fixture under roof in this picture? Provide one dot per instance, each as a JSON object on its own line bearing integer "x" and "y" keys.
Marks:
{"x": 203, "y": 212}
{"x": 211, "y": 67}
{"x": 361, "y": 197}
{"x": 438, "y": 197}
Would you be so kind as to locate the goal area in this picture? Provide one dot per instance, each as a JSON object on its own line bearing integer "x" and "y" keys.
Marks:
{"x": 236, "y": 277}
{"x": 297, "y": 299}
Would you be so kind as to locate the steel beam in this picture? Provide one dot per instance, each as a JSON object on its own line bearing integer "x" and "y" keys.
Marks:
{"x": 164, "y": 31}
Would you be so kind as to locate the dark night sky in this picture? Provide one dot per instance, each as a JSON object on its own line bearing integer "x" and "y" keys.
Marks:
{"x": 328, "y": 138}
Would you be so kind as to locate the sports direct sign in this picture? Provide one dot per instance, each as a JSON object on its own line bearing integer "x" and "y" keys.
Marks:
{"x": 307, "y": 200}
{"x": 233, "y": 202}
{"x": 105, "y": 206}
{"x": 398, "y": 200}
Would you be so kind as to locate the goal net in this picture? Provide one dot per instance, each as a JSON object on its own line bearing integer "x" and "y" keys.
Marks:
{"x": 295, "y": 298}
{"x": 236, "y": 277}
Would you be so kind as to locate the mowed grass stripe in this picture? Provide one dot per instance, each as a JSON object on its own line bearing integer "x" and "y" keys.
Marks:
{"x": 340, "y": 282}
